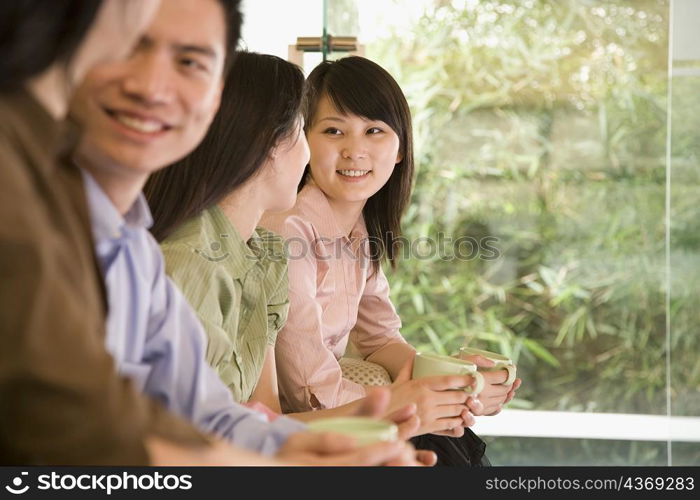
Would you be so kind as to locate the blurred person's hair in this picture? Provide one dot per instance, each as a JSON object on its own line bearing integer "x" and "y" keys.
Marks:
{"x": 34, "y": 34}
{"x": 261, "y": 104}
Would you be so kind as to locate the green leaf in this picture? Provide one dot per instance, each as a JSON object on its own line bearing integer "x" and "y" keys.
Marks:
{"x": 541, "y": 352}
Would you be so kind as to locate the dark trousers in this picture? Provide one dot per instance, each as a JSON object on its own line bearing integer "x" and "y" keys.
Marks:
{"x": 466, "y": 451}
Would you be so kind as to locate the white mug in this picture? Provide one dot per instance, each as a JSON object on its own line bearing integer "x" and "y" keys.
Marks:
{"x": 501, "y": 362}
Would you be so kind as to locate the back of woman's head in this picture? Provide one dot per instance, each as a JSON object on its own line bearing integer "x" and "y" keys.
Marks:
{"x": 34, "y": 34}
{"x": 355, "y": 85}
{"x": 260, "y": 106}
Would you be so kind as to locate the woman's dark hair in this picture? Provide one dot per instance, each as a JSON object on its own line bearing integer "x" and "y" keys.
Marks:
{"x": 34, "y": 34}
{"x": 356, "y": 85}
{"x": 260, "y": 106}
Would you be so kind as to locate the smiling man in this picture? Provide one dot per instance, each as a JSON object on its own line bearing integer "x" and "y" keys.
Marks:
{"x": 155, "y": 107}
{"x": 140, "y": 115}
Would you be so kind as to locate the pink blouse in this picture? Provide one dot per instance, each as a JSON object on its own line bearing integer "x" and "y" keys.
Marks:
{"x": 332, "y": 295}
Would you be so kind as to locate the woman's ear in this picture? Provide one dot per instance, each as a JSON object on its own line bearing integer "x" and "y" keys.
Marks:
{"x": 399, "y": 158}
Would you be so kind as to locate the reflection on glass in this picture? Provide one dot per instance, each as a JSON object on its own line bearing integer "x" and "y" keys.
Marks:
{"x": 342, "y": 17}
{"x": 684, "y": 244}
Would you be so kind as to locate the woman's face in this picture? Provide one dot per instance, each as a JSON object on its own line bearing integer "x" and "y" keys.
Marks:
{"x": 114, "y": 32}
{"x": 289, "y": 159}
{"x": 351, "y": 157}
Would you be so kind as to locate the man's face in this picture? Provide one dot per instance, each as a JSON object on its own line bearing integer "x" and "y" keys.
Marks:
{"x": 153, "y": 108}
{"x": 114, "y": 31}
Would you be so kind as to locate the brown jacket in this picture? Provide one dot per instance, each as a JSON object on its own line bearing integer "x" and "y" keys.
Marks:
{"x": 61, "y": 401}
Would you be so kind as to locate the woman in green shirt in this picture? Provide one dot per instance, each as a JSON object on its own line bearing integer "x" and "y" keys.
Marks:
{"x": 206, "y": 209}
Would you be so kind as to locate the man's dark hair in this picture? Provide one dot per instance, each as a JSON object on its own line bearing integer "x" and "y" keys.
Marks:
{"x": 234, "y": 20}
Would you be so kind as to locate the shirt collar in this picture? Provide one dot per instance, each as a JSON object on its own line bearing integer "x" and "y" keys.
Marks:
{"x": 316, "y": 209}
{"x": 240, "y": 256}
{"x": 107, "y": 222}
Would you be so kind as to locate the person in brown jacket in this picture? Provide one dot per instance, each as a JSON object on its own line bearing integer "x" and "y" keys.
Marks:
{"x": 61, "y": 400}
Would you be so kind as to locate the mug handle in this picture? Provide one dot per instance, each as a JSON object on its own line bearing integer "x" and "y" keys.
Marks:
{"x": 511, "y": 374}
{"x": 479, "y": 381}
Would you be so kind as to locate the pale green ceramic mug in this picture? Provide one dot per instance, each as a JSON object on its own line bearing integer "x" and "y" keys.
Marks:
{"x": 364, "y": 430}
{"x": 431, "y": 365}
{"x": 502, "y": 362}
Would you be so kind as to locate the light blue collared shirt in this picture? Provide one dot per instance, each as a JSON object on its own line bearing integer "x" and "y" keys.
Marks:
{"x": 155, "y": 336}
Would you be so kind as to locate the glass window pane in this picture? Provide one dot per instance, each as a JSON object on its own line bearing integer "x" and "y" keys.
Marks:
{"x": 541, "y": 132}
{"x": 270, "y": 26}
{"x": 684, "y": 244}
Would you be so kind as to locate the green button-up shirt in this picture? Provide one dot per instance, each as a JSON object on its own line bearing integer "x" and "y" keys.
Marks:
{"x": 239, "y": 290}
